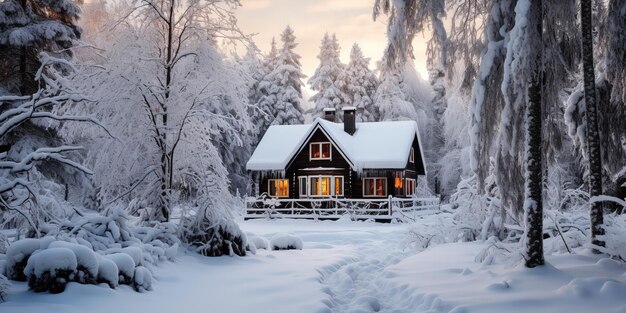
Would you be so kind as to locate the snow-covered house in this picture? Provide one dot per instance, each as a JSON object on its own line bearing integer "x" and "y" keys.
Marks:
{"x": 343, "y": 160}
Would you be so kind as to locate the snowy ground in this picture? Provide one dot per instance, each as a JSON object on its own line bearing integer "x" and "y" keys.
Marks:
{"x": 350, "y": 267}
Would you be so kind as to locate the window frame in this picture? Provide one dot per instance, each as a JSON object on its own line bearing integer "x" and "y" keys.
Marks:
{"x": 269, "y": 187}
{"x": 412, "y": 155}
{"x": 375, "y": 179}
{"x": 335, "y": 186}
{"x": 406, "y": 187}
{"x": 320, "y": 144}
{"x": 306, "y": 186}
{"x": 331, "y": 186}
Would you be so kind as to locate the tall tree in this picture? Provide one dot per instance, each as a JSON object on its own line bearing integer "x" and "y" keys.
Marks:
{"x": 523, "y": 87}
{"x": 361, "y": 85}
{"x": 593, "y": 141}
{"x": 283, "y": 85}
{"x": 328, "y": 80}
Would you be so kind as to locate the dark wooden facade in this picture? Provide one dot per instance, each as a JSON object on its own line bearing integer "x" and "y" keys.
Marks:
{"x": 302, "y": 165}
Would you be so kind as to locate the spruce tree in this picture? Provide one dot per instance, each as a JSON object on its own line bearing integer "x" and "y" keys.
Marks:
{"x": 283, "y": 85}
{"x": 328, "y": 80}
{"x": 28, "y": 27}
{"x": 360, "y": 85}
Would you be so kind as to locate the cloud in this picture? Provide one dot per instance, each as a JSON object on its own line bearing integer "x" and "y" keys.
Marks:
{"x": 252, "y": 5}
{"x": 335, "y": 6}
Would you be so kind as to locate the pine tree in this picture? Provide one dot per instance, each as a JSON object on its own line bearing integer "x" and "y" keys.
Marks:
{"x": 28, "y": 27}
{"x": 361, "y": 85}
{"x": 266, "y": 94}
{"x": 593, "y": 140}
{"x": 283, "y": 84}
{"x": 390, "y": 99}
{"x": 328, "y": 80}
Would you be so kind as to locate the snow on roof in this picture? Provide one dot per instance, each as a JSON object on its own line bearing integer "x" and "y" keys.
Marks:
{"x": 329, "y": 109}
{"x": 373, "y": 145}
{"x": 277, "y": 146}
{"x": 348, "y": 109}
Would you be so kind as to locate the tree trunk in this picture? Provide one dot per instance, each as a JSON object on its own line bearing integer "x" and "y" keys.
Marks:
{"x": 593, "y": 137}
{"x": 533, "y": 205}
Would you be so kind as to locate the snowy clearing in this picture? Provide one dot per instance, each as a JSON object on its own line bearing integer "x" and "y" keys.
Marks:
{"x": 349, "y": 267}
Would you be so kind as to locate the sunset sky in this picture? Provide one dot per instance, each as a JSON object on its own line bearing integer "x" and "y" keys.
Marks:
{"x": 351, "y": 20}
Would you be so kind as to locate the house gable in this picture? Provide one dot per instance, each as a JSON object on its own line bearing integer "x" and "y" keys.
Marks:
{"x": 301, "y": 159}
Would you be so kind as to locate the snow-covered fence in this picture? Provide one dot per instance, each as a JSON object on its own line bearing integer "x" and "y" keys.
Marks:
{"x": 401, "y": 209}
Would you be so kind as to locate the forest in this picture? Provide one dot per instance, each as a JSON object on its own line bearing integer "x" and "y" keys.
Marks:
{"x": 125, "y": 128}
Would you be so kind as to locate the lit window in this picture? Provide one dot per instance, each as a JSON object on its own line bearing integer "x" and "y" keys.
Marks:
{"x": 412, "y": 156}
{"x": 374, "y": 187}
{"x": 320, "y": 186}
{"x": 338, "y": 186}
{"x": 320, "y": 151}
{"x": 278, "y": 187}
{"x": 303, "y": 186}
{"x": 410, "y": 186}
{"x": 325, "y": 186}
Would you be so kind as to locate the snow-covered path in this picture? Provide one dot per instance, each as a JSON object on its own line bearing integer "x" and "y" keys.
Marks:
{"x": 358, "y": 284}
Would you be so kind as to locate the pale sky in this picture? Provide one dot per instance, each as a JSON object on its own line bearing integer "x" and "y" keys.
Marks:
{"x": 350, "y": 20}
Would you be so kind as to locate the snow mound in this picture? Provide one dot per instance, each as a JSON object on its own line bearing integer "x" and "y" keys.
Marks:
{"x": 285, "y": 242}
{"x": 108, "y": 272}
{"x": 125, "y": 266}
{"x": 258, "y": 242}
{"x": 18, "y": 254}
{"x": 51, "y": 269}
{"x": 142, "y": 279}
{"x": 87, "y": 267}
{"x": 137, "y": 254}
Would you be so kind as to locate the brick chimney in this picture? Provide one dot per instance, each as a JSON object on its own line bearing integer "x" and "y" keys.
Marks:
{"x": 329, "y": 114}
{"x": 349, "y": 120}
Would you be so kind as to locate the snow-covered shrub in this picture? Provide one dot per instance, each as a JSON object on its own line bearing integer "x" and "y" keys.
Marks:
{"x": 87, "y": 263}
{"x": 285, "y": 242}
{"x": 4, "y": 286}
{"x": 18, "y": 254}
{"x": 107, "y": 272}
{"x": 211, "y": 231}
{"x": 102, "y": 231}
{"x": 51, "y": 269}
{"x": 258, "y": 242}
{"x": 125, "y": 266}
{"x": 142, "y": 280}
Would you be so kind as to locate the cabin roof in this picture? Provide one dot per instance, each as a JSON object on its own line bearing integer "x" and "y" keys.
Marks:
{"x": 374, "y": 145}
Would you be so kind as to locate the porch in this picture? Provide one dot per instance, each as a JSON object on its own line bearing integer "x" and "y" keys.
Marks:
{"x": 332, "y": 208}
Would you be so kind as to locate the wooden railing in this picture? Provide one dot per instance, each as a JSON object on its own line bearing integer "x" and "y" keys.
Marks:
{"x": 401, "y": 209}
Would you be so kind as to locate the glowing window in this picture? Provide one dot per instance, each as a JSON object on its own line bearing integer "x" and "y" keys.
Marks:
{"x": 320, "y": 151}
{"x": 338, "y": 186}
{"x": 278, "y": 188}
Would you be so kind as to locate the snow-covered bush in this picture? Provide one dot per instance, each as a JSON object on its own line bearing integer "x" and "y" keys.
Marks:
{"x": 51, "y": 269}
{"x": 211, "y": 231}
{"x": 142, "y": 280}
{"x": 125, "y": 266}
{"x": 107, "y": 272}
{"x": 87, "y": 263}
{"x": 18, "y": 254}
{"x": 258, "y": 242}
{"x": 285, "y": 242}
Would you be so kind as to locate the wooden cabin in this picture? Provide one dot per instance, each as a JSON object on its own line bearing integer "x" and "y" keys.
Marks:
{"x": 349, "y": 160}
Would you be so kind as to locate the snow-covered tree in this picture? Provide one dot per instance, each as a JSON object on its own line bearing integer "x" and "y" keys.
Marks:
{"x": 29, "y": 195}
{"x": 282, "y": 87}
{"x": 28, "y": 27}
{"x": 391, "y": 100}
{"x": 360, "y": 85}
{"x": 328, "y": 80}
